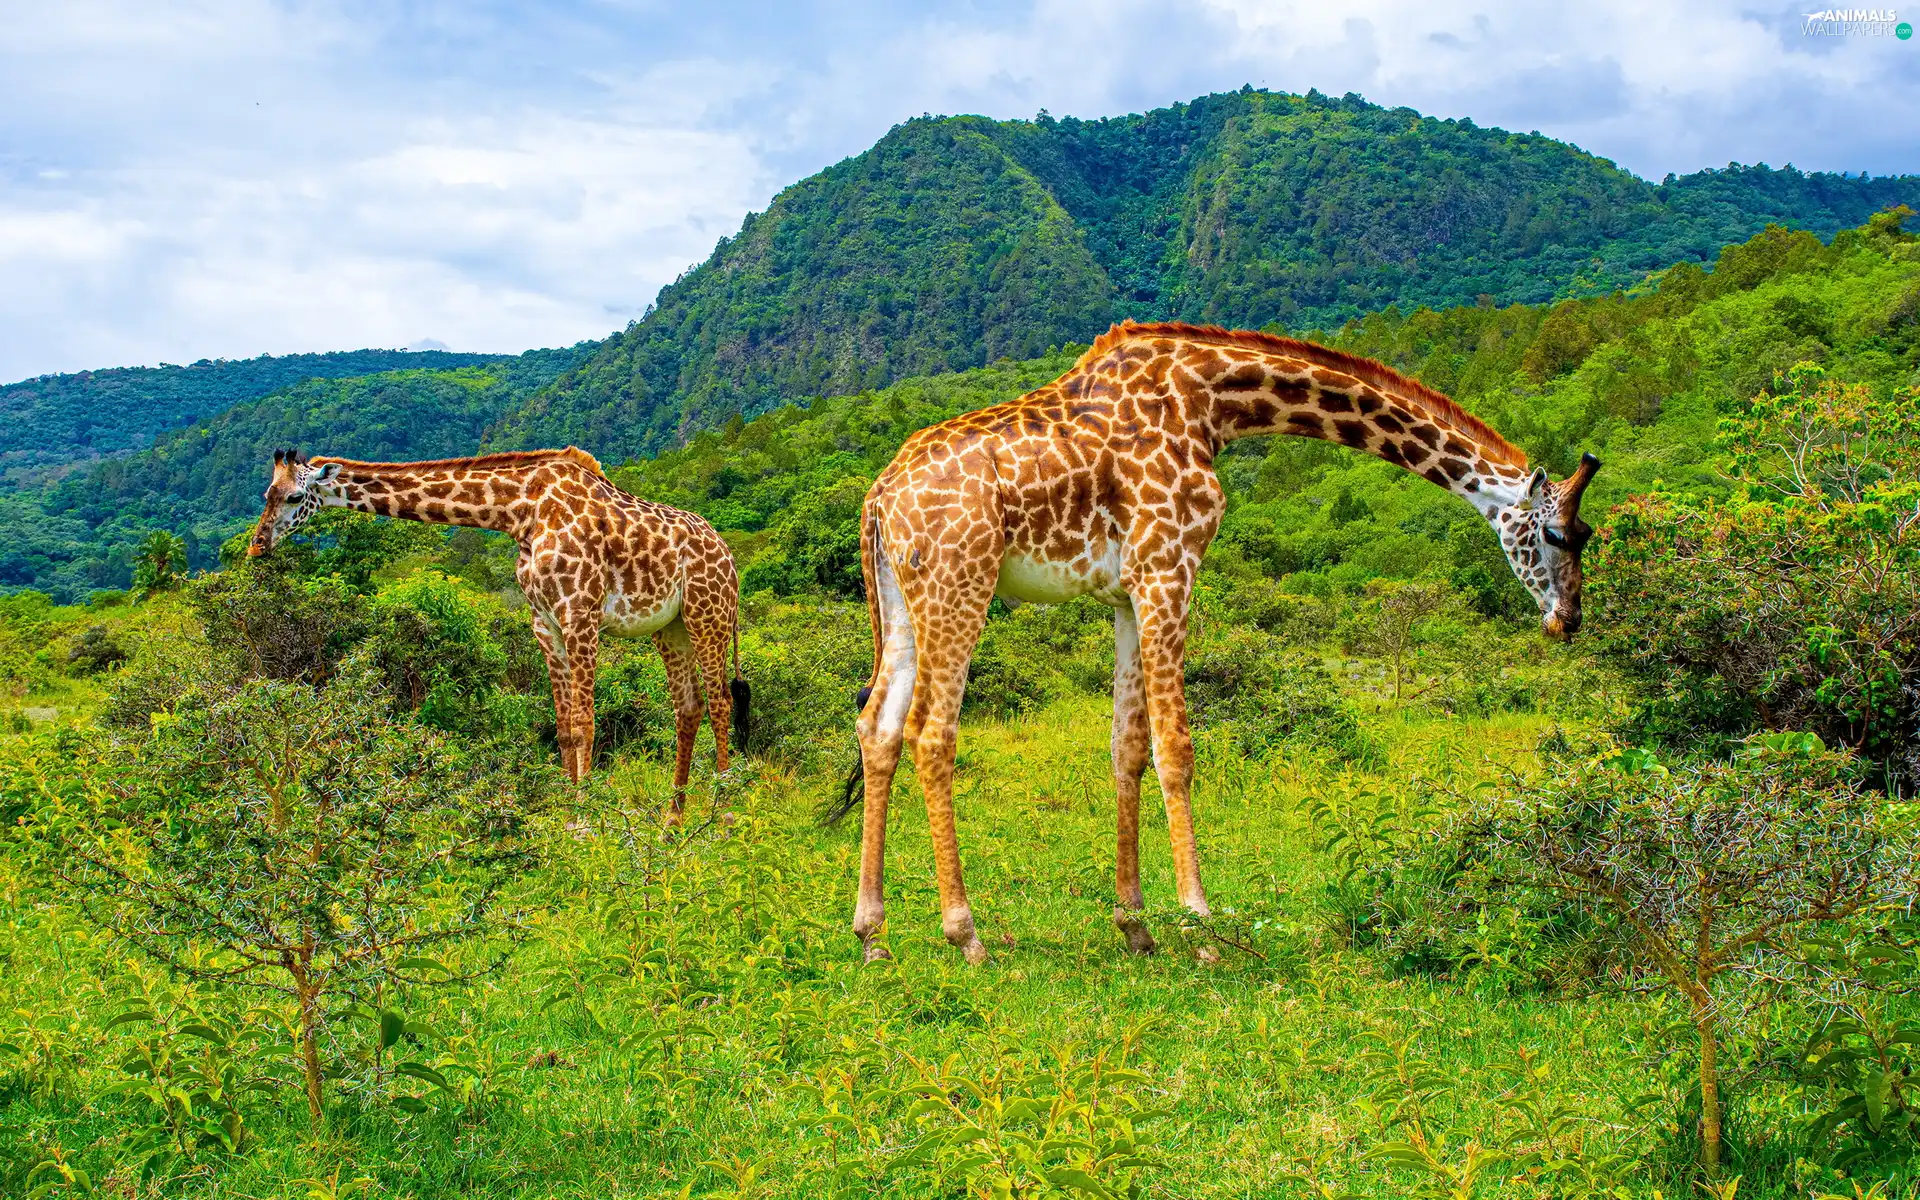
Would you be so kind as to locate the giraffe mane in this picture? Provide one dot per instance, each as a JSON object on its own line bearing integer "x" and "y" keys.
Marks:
{"x": 507, "y": 458}
{"x": 1438, "y": 405}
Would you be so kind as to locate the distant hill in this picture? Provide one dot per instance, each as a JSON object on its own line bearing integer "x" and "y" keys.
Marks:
{"x": 956, "y": 241}
{"x": 59, "y": 419}
{"x": 78, "y": 534}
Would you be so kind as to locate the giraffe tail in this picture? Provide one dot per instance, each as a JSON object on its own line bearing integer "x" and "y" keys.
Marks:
{"x": 741, "y": 693}
{"x": 836, "y": 810}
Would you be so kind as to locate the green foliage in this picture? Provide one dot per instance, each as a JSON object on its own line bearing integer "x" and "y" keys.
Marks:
{"x": 461, "y": 661}
{"x": 1268, "y": 697}
{"x": 1859, "y": 1057}
{"x": 1796, "y": 604}
{"x": 160, "y": 565}
{"x": 296, "y": 840}
{"x": 1708, "y": 870}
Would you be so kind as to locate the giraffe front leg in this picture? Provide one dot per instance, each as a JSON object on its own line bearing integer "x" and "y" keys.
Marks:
{"x": 560, "y": 676}
{"x": 683, "y": 683}
{"x": 1162, "y": 610}
{"x": 583, "y": 658}
{"x": 1132, "y": 743}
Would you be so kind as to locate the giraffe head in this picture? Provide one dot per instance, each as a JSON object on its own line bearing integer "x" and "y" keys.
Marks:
{"x": 1543, "y": 535}
{"x": 296, "y": 492}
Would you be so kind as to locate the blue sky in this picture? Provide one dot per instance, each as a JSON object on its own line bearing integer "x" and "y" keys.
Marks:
{"x": 231, "y": 177}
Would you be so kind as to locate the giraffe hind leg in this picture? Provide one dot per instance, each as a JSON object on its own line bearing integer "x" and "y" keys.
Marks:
{"x": 881, "y": 729}
{"x": 683, "y": 683}
{"x": 933, "y": 721}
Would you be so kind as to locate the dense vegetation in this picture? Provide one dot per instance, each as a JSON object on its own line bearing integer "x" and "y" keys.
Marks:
{"x": 58, "y": 419}
{"x": 80, "y": 533}
{"x": 960, "y": 240}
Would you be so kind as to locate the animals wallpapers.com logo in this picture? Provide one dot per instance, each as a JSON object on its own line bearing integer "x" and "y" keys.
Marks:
{"x": 1855, "y": 22}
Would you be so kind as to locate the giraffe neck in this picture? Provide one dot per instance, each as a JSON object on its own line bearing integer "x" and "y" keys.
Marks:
{"x": 1393, "y": 420}
{"x": 498, "y": 498}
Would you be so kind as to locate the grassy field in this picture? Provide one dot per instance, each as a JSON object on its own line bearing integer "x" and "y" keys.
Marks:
{"x": 688, "y": 1016}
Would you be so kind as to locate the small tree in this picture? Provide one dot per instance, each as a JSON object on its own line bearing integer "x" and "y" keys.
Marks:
{"x": 161, "y": 563}
{"x": 298, "y": 840}
{"x": 1708, "y": 870}
{"x": 1390, "y": 622}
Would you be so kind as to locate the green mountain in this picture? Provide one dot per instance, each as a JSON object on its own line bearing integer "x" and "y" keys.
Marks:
{"x": 56, "y": 420}
{"x": 957, "y": 241}
{"x": 79, "y": 534}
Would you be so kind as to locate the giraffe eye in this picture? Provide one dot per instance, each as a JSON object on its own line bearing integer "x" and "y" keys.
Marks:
{"x": 1554, "y": 537}
{"x": 296, "y": 497}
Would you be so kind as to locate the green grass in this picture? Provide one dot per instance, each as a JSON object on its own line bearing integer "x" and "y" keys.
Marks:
{"x": 715, "y": 1031}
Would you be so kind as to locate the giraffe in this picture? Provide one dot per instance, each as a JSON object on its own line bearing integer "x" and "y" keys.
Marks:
{"x": 1102, "y": 483}
{"x": 591, "y": 558}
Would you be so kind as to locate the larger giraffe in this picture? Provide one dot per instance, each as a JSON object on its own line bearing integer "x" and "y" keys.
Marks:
{"x": 591, "y": 557}
{"x": 1102, "y": 483}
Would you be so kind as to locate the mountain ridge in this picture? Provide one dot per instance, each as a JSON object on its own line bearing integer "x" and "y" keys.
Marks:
{"x": 942, "y": 247}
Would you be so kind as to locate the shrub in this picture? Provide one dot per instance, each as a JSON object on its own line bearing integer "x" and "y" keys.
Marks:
{"x": 1795, "y": 605}
{"x": 1709, "y": 872}
{"x": 96, "y": 650}
{"x": 632, "y": 707}
{"x": 1269, "y": 696}
{"x": 805, "y": 662}
{"x": 263, "y": 620}
{"x": 279, "y": 836}
{"x": 438, "y": 646}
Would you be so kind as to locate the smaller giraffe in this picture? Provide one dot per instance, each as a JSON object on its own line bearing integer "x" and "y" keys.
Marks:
{"x": 592, "y": 557}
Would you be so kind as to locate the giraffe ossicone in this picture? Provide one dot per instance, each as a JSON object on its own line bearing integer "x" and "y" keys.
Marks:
{"x": 592, "y": 558}
{"x": 1102, "y": 483}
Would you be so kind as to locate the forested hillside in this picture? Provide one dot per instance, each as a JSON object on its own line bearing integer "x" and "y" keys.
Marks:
{"x": 956, "y": 241}
{"x": 58, "y": 419}
{"x": 79, "y": 534}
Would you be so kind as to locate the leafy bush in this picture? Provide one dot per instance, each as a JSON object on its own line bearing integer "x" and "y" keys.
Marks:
{"x": 1269, "y": 696}
{"x": 96, "y": 650}
{"x": 1039, "y": 653}
{"x": 805, "y": 662}
{"x": 632, "y": 708}
{"x": 296, "y": 839}
{"x": 1709, "y": 872}
{"x": 1795, "y": 605}
{"x": 263, "y": 620}
{"x": 456, "y": 657}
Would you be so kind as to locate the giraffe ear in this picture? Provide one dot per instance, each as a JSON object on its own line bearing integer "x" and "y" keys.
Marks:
{"x": 326, "y": 472}
{"x": 1536, "y": 488}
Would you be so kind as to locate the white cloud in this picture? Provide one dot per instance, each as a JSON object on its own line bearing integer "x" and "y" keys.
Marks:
{"x": 227, "y": 177}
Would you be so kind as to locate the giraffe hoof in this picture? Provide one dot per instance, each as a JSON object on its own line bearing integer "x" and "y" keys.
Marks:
{"x": 1139, "y": 941}
{"x": 877, "y": 953}
{"x": 975, "y": 952}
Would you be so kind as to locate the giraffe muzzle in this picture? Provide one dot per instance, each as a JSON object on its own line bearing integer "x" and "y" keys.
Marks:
{"x": 1561, "y": 626}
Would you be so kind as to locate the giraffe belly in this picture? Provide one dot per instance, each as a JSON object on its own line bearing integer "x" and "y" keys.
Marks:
{"x": 628, "y": 617}
{"x": 1032, "y": 581}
